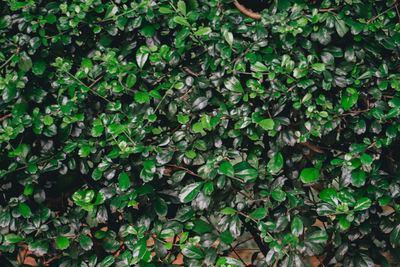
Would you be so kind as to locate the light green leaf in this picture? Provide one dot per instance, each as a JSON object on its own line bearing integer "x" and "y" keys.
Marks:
{"x": 203, "y": 31}
{"x": 228, "y": 37}
{"x": 267, "y": 124}
{"x": 309, "y": 175}
{"x": 182, "y": 7}
{"x": 228, "y": 211}
{"x": 142, "y": 97}
{"x": 181, "y": 20}
{"x": 258, "y": 67}
{"x": 165, "y": 10}
{"x": 318, "y": 66}
{"x": 62, "y": 242}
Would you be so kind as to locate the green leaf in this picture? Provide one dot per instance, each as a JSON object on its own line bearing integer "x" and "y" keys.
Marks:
{"x": 181, "y": 20}
{"x": 141, "y": 56}
{"x": 202, "y": 31}
{"x": 363, "y": 204}
{"x": 13, "y": 238}
{"x": 139, "y": 250}
{"x": 234, "y": 85}
{"x": 107, "y": 261}
{"x": 283, "y": 4}
{"x": 85, "y": 242}
{"x": 247, "y": 174}
{"x": 363, "y": 260}
{"x": 309, "y": 175}
{"x": 395, "y": 236}
{"x": 228, "y": 211}
{"x": 341, "y": 28}
{"x": 318, "y": 237}
{"x": 25, "y": 62}
{"x": 193, "y": 252}
{"x": 111, "y": 11}
{"x": 149, "y": 168}
{"x": 328, "y": 195}
{"x": 165, "y": 10}
{"x": 183, "y": 119}
{"x": 87, "y": 65}
{"x": 48, "y": 120}
{"x": 142, "y": 97}
{"x": 24, "y": 210}
{"x": 343, "y": 222}
{"x": 62, "y": 242}
{"x": 349, "y": 98}
{"x": 190, "y": 154}
{"x": 228, "y": 37}
{"x": 259, "y": 213}
{"x": 227, "y": 168}
{"x": 297, "y": 226}
{"x": 258, "y": 67}
{"x": 278, "y": 195}
{"x": 84, "y": 151}
{"x": 123, "y": 181}
{"x": 358, "y": 178}
{"x": 189, "y": 192}
{"x": 201, "y": 226}
{"x": 276, "y": 163}
{"x": 5, "y": 21}
{"x": 182, "y": 7}
{"x": 97, "y": 130}
{"x": 161, "y": 207}
{"x": 9, "y": 93}
{"x": 131, "y": 80}
{"x": 226, "y": 237}
{"x": 318, "y": 67}
{"x": 267, "y": 124}
{"x": 39, "y": 67}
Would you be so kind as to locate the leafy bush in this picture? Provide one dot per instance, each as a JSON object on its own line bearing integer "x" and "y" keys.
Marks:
{"x": 131, "y": 133}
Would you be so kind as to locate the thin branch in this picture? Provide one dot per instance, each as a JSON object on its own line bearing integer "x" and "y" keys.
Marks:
{"x": 380, "y": 14}
{"x": 5, "y": 63}
{"x": 82, "y": 83}
{"x": 246, "y": 11}
{"x": 185, "y": 169}
{"x": 5, "y": 117}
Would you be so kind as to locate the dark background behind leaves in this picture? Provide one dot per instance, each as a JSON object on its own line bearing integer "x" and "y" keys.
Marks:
{"x": 133, "y": 132}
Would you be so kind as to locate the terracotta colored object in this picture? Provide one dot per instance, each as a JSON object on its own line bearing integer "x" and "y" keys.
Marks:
{"x": 246, "y": 11}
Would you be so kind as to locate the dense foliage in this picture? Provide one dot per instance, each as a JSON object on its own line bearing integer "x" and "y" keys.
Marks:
{"x": 133, "y": 132}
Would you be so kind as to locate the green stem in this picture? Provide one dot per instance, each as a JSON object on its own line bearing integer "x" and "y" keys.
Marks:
{"x": 5, "y": 63}
{"x": 82, "y": 83}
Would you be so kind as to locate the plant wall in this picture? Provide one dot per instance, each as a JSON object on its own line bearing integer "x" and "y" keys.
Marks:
{"x": 132, "y": 132}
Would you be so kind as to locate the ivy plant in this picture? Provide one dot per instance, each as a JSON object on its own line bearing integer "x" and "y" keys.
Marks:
{"x": 162, "y": 132}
